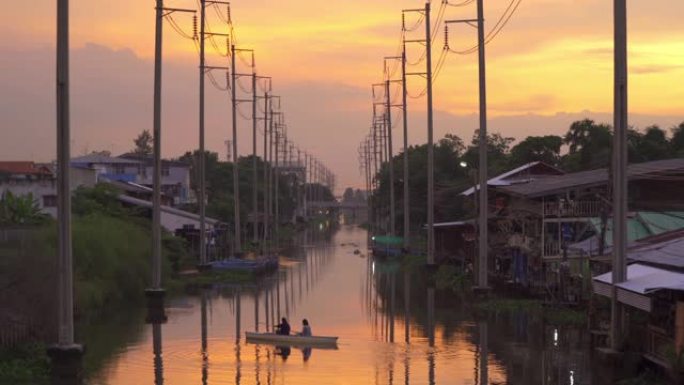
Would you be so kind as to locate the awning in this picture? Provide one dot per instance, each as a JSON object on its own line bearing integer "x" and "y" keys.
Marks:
{"x": 642, "y": 280}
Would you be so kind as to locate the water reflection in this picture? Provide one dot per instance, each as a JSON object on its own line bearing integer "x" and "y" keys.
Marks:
{"x": 368, "y": 304}
{"x": 157, "y": 349}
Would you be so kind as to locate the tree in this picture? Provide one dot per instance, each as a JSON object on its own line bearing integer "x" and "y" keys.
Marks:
{"x": 498, "y": 147}
{"x": 348, "y": 195}
{"x": 651, "y": 145}
{"x": 143, "y": 144}
{"x": 589, "y": 146}
{"x": 537, "y": 148}
{"x": 677, "y": 141}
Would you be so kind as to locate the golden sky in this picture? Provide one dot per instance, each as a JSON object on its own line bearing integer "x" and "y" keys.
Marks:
{"x": 554, "y": 56}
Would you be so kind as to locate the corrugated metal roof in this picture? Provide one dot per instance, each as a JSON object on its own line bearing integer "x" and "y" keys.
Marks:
{"x": 643, "y": 279}
{"x": 546, "y": 186}
{"x": 506, "y": 179}
{"x": 642, "y": 226}
{"x": 103, "y": 159}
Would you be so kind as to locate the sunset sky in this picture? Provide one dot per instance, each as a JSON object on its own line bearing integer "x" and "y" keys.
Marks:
{"x": 550, "y": 65}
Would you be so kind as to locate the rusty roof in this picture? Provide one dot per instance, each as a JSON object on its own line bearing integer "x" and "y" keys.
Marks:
{"x": 536, "y": 188}
{"x": 23, "y": 168}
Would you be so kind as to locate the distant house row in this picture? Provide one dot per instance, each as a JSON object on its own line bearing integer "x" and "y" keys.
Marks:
{"x": 131, "y": 173}
{"x": 551, "y": 232}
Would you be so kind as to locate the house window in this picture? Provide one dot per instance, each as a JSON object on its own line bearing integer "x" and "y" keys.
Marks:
{"x": 165, "y": 170}
{"x": 142, "y": 171}
{"x": 49, "y": 200}
{"x": 119, "y": 169}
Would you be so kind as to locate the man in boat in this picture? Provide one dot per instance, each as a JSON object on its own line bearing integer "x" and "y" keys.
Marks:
{"x": 283, "y": 328}
{"x": 306, "y": 329}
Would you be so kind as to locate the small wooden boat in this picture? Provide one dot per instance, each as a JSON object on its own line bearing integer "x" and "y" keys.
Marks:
{"x": 292, "y": 340}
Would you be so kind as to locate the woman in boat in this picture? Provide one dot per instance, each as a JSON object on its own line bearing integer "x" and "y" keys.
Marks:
{"x": 306, "y": 329}
{"x": 283, "y": 328}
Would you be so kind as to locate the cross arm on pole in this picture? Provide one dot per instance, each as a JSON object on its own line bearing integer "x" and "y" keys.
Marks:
{"x": 169, "y": 11}
{"x": 217, "y": 2}
{"x": 470, "y": 22}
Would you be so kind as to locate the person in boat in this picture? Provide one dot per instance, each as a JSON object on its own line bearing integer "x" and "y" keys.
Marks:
{"x": 306, "y": 329}
{"x": 283, "y": 328}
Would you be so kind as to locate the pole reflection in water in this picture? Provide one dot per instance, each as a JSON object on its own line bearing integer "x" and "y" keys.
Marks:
{"x": 407, "y": 306}
{"x": 257, "y": 364}
{"x": 431, "y": 315}
{"x": 157, "y": 348}
{"x": 238, "y": 317}
{"x": 203, "y": 338}
{"x": 483, "y": 353}
{"x": 266, "y": 316}
{"x": 256, "y": 310}
{"x": 392, "y": 302}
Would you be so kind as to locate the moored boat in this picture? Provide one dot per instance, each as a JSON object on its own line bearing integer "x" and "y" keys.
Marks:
{"x": 293, "y": 340}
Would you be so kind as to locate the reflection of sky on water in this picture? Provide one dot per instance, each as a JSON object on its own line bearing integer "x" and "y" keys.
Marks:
{"x": 340, "y": 295}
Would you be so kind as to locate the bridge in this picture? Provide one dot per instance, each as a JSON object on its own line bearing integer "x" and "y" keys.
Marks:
{"x": 338, "y": 205}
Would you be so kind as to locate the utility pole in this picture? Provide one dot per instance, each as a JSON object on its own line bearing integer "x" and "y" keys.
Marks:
{"x": 619, "y": 170}
{"x": 266, "y": 165}
{"x": 430, "y": 144}
{"x": 430, "y": 139}
{"x": 484, "y": 202}
{"x": 255, "y": 208}
{"x": 236, "y": 182}
{"x": 276, "y": 221}
{"x": 202, "y": 161}
{"x": 66, "y": 355}
{"x": 156, "y": 177}
{"x": 390, "y": 153}
{"x": 407, "y": 223}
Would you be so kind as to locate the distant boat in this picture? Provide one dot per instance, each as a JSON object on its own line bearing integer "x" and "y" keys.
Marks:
{"x": 320, "y": 342}
{"x": 256, "y": 265}
{"x": 387, "y": 246}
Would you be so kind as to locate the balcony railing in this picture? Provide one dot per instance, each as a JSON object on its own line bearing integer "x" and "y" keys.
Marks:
{"x": 585, "y": 208}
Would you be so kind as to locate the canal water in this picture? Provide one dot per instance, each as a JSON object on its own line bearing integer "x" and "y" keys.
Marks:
{"x": 392, "y": 330}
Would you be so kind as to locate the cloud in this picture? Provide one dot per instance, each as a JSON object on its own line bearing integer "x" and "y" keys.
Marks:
{"x": 653, "y": 69}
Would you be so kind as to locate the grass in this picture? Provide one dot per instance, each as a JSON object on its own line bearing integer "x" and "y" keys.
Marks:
{"x": 25, "y": 364}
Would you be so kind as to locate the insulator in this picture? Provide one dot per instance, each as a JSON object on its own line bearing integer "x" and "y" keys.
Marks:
{"x": 403, "y": 21}
{"x": 446, "y": 36}
{"x": 194, "y": 26}
{"x": 228, "y": 15}
{"x": 227, "y": 80}
{"x": 228, "y": 46}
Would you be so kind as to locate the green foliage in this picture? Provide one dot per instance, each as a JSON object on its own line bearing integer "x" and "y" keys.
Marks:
{"x": 143, "y": 143}
{"x": 20, "y": 210}
{"x": 111, "y": 261}
{"x": 26, "y": 364}
{"x": 537, "y": 148}
{"x": 449, "y": 277}
{"x": 100, "y": 199}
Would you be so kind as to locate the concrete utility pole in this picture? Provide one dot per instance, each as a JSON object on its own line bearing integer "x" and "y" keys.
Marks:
{"x": 430, "y": 144}
{"x": 484, "y": 205}
{"x": 407, "y": 209}
{"x": 236, "y": 182}
{"x": 66, "y": 355}
{"x": 276, "y": 214}
{"x": 255, "y": 208}
{"x": 156, "y": 177}
{"x": 266, "y": 166}
{"x": 202, "y": 161}
{"x": 202, "y": 179}
{"x": 66, "y": 300}
{"x": 619, "y": 170}
{"x": 390, "y": 153}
